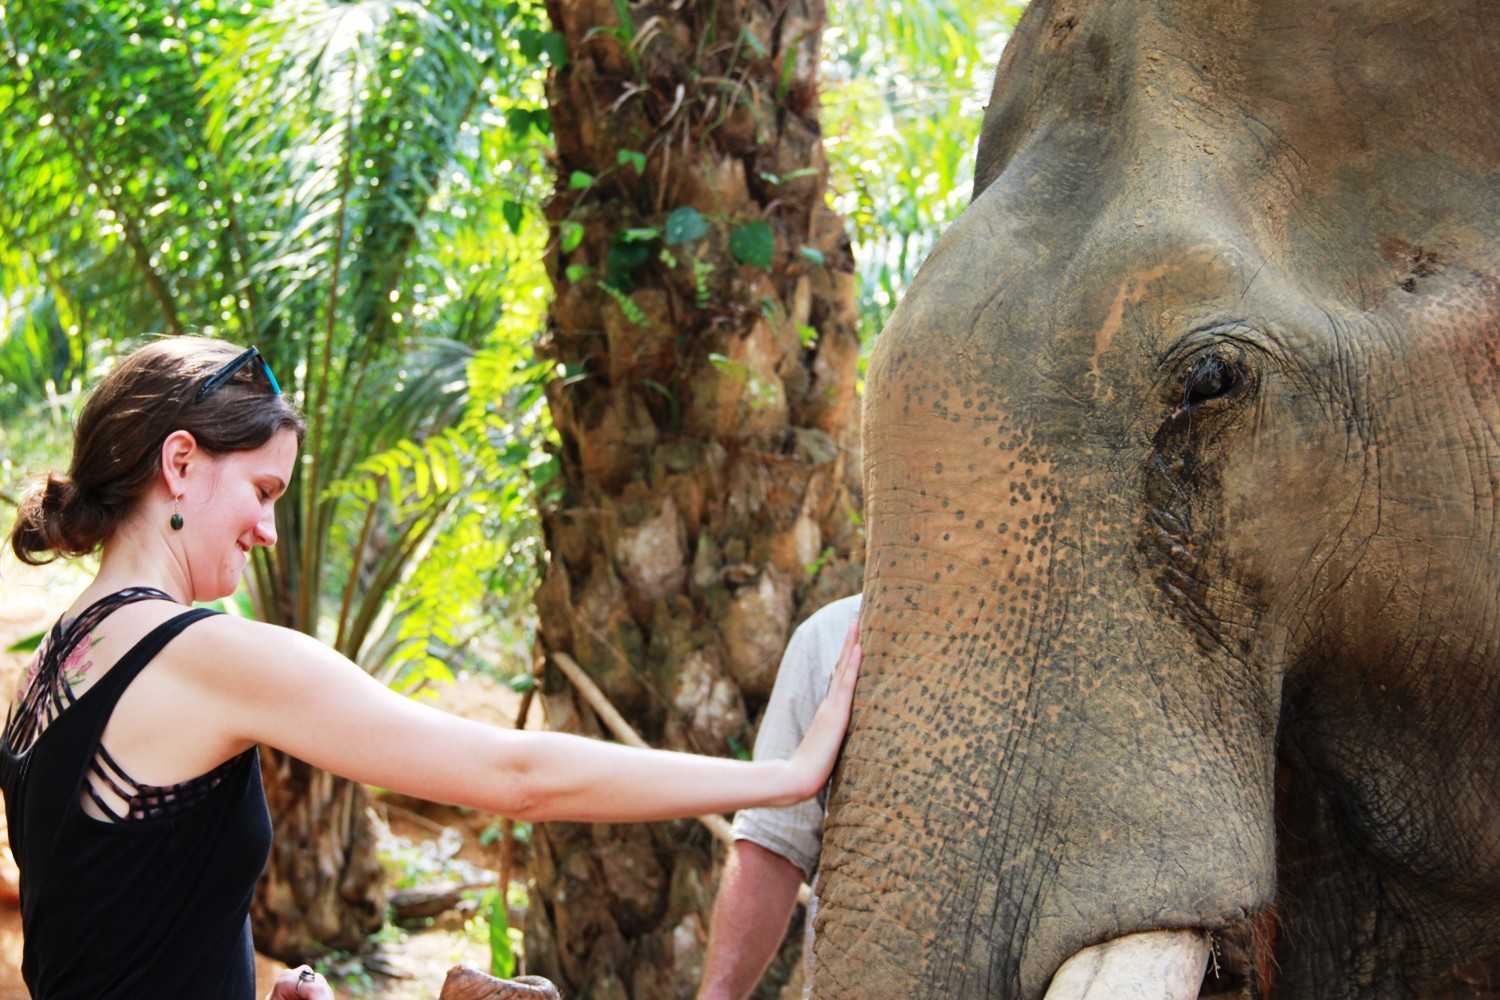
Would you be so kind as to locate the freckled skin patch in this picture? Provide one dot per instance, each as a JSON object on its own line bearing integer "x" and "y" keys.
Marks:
{"x": 1182, "y": 461}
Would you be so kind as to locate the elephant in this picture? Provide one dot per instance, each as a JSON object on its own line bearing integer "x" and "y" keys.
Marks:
{"x": 1181, "y": 621}
{"x": 465, "y": 983}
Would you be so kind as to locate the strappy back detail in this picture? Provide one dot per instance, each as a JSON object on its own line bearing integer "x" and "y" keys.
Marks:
{"x": 61, "y": 663}
{"x": 121, "y": 799}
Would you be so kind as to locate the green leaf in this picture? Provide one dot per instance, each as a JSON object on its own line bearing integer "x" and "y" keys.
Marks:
{"x": 520, "y": 121}
{"x": 630, "y": 156}
{"x": 512, "y": 212}
{"x": 556, "y": 47}
{"x": 748, "y": 37}
{"x": 580, "y": 179}
{"x": 754, "y": 244}
{"x": 621, "y": 262}
{"x": 576, "y": 272}
{"x": 28, "y": 644}
{"x": 569, "y": 235}
{"x": 521, "y": 683}
{"x": 788, "y": 67}
{"x": 685, "y": 224}
{"x": 533, "y": 43}
{"x": 651, "y": 383}
{"x": 641, "y": 235}
{"x": 628, "y": 306}
{"x": 502, "y": 960}
{"x": 807, "y": 335}
{"x": 544, "y": 472}
{"x": 529, "y": 43}
{"x": 813, "y": 254}
{"x": 771, "y": 178}
{"x": 627, "y": 21}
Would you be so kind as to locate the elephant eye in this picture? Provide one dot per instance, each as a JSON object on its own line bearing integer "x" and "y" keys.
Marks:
{"x": 1210, "y": 377}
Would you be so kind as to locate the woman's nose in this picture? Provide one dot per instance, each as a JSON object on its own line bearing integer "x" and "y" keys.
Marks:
{"x": 265, "y": 531}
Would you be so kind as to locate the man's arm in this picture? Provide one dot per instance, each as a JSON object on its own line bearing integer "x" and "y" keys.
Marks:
{"x": 775, "y": 848}
{"x": 756, "y": 895}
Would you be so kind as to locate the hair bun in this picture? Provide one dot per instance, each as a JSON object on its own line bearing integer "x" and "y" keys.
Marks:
{"x": 58, "y": 517}
{"x": 59, "y": 491}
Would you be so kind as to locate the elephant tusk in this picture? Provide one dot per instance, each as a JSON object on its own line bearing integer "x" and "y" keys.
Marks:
{"x": 1154, "y": 965}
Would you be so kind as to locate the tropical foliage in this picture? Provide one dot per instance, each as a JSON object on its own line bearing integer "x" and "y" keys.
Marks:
{"x": 355, "y": 187}
{"x": 905, "y": 84}
{"x": 352, "y": 188}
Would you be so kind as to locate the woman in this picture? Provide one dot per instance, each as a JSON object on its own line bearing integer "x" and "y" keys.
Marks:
{"x": 131, "y": 780}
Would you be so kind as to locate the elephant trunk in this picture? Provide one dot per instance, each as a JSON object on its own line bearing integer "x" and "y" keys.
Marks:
{"x": 1044, "y": 757}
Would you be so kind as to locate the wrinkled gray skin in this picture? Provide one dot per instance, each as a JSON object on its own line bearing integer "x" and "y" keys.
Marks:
{"x": 1182, "y": 460}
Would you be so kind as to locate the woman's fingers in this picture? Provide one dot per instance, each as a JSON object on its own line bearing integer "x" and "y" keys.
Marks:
{"x": 825, "y": 735}
{"x": 301, "y": 983}
{"x": 847, "y": 670}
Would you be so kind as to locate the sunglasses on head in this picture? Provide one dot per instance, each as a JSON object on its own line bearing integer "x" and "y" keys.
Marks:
{"x": 213, "y": 382}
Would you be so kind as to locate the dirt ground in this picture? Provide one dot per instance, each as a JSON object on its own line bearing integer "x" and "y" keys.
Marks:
{"x": 412, "y": 962}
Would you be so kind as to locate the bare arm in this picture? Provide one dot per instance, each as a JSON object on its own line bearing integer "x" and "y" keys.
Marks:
{"x": 755, "y": 900}
{"x": 286, "y": 690}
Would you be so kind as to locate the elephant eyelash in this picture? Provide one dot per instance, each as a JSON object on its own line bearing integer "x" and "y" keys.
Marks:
{"x": 1210, "y": 377}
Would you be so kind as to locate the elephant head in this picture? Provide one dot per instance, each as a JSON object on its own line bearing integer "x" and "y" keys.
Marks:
{"x": 1182, "y": 607}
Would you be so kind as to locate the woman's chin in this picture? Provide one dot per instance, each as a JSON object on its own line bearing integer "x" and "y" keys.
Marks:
{"x": 217, "y": 591}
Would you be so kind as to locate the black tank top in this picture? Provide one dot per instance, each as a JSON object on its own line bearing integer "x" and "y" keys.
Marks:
{"x": 139, "y": 906}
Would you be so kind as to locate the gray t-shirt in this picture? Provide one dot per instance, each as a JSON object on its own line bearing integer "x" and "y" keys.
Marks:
{"x": 796, "y": 832}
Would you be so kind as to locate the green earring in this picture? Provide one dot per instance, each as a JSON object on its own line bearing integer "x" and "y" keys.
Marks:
{"x": 176, "y": 516}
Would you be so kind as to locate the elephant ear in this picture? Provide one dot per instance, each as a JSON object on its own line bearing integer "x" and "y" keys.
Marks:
{"x": 464, "y": 983}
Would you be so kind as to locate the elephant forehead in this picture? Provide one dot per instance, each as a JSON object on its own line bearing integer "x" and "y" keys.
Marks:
{"x": 1059, "y": 336}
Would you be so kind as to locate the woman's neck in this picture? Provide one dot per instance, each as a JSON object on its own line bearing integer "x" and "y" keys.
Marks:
{"x": 137, "y": 557}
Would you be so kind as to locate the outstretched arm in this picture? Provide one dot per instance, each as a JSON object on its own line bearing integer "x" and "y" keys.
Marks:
{"x": 755, "y": 900}
{"x": 286, "y": 690}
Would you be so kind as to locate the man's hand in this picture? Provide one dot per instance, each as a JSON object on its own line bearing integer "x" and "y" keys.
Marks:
{"x": 301, "y": 983}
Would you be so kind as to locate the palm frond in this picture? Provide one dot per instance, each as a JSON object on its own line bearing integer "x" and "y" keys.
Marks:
{"x": 906, "y": 82}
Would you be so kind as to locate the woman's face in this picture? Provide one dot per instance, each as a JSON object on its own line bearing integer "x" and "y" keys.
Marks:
{"x": 232, "y": 511}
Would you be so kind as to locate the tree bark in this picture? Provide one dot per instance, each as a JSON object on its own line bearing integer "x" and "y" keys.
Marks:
{"x": 323, "y": 889}
{"x": 705, "y": 404}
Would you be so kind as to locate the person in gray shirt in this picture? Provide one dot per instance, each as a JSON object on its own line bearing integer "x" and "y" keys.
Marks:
{"x": 775, "y": 849}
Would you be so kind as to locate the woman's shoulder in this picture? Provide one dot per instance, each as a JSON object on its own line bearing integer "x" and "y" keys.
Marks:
{"x": 222, "y": 638}
{"x": 96, "y": 633}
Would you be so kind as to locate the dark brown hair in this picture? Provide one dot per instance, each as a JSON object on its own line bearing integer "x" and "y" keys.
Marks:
{"x": 117, "y": 441}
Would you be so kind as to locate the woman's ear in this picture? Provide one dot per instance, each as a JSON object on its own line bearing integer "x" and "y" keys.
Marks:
{"x": 179, "y": 453}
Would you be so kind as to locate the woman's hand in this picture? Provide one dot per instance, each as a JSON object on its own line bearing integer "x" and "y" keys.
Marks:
{"x": 301, "y": 983}
{"x": 814, "y": 757}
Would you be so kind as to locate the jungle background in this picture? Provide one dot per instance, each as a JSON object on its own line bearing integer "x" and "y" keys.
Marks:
{"x": 575, "y": 296}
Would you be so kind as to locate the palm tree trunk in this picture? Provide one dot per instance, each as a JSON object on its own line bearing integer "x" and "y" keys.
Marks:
{"x": 323, "y": 888}
{"x": 705, "y": 334}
